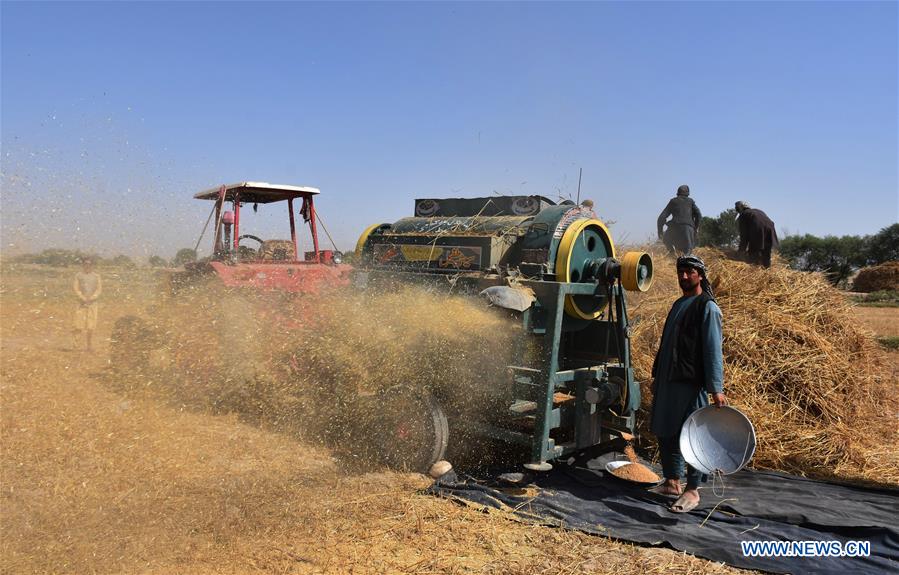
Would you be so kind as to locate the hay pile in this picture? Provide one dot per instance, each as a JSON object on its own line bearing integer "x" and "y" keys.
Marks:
{"x": 877, "y": 278}
{"x": 796, "y": 362}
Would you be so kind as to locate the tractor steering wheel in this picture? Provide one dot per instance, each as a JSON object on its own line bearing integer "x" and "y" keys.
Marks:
{"x": 250, "y": 252}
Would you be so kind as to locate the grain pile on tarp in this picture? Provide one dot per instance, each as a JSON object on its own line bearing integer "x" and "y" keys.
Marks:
{"x": 877, "y": 278}
{"x": 796, "y": 362}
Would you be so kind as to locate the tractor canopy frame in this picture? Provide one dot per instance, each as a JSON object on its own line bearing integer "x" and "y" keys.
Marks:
{"x": 225, "y": 244}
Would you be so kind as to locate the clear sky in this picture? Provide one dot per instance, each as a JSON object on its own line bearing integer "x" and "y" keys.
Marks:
{"x": 114, "y": 114}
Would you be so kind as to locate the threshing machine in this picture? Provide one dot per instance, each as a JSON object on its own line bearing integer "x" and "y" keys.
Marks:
{"x": 554, "y": 268}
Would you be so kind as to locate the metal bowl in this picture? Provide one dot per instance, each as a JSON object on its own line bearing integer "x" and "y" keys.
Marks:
{"x": 717, "y": 439}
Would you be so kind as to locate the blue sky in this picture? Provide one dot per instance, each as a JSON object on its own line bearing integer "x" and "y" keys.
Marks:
{"x": 114, "y": 114}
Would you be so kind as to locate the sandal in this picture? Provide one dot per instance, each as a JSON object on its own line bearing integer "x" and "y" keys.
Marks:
{"x": 683, "y": 505}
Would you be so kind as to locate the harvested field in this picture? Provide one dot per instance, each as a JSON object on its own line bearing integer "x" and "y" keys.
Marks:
{"x": 880, "y": 320}
{"x": 884, "y": 322}
{"x": 798, "y": 362}
{"x": 97, "y": 478}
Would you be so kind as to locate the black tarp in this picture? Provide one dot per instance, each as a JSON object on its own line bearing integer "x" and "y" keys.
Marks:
{"x": 754, "y": 506}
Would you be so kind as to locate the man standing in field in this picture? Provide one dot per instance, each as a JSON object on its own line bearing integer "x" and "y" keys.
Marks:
{"x": 683, "y": 227}
{"x": 88, "y": 287}
{"x": 688, "y": 367}
{"x": 757, "y": 234}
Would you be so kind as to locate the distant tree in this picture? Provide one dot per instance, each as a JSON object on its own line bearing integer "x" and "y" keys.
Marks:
{"x": 720, "y": 232}
{"x": 57, "y": 257}
{"x": 183, "y": 256}
{"x": 837, "y": 257}
{"x": 24, "y": 258}
{"x": 157, "y": 262}
{"x": 883, "y": 246}
{"x": 122, "y": 261}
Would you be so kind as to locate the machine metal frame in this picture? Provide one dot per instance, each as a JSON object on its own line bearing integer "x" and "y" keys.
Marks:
{"x": 570, "y": 397}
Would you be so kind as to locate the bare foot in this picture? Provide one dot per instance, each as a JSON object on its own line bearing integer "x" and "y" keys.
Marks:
{"x": 670, "y": 487}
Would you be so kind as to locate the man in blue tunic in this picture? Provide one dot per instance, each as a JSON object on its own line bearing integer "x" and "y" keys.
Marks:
{"x": 688, "y": 367}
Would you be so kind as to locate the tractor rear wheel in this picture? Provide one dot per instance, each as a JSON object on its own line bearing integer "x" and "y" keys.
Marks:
{"x": 402, "y": 429}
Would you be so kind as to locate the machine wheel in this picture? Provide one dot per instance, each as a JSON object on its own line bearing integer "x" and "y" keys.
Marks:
{"x": 130, "y": 345}
{"x": 584, "y": 242}
{"x": 636, "y": 271}
{"x": 360, "y": 243}
{"x": 402, "y": 429}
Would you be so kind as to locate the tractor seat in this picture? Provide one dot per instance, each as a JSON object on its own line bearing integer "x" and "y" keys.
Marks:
{"x": 277, "y": 250}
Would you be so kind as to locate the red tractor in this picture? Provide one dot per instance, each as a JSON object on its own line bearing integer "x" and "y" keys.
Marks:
{"x": 242, "y": 266}
{"x": 246, "y": 260}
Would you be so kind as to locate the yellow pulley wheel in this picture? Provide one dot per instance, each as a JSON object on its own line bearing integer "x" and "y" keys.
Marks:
{"x": 364, "y": 238}
{"x": 636, "y": 271}
{"x": 584, "y": 242}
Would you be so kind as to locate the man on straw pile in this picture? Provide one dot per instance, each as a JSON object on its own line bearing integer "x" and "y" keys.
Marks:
{"x": 757, "y": 234}
{"x": 683, "y": 227}
{"x": 87, "y": 287}
{"x": 688, "y": 367}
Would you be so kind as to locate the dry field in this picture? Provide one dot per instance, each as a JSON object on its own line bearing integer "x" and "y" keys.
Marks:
{"x": 97, "y": 478}
{"x": 880, "y": 320}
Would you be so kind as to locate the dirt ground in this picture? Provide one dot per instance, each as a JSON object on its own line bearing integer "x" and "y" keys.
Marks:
{"x": 880, "y": 320}
{"x": 97, "y": 478}
{"x": 883, "y": 321}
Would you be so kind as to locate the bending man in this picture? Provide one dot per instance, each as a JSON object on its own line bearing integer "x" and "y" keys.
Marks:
{"x": 757, "y": 234}
{"x": 688, "y": 367}
{"x": 683, "y": 227}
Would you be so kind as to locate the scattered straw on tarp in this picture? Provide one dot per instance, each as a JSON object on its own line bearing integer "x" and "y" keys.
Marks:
{"x": 796, "y": 361}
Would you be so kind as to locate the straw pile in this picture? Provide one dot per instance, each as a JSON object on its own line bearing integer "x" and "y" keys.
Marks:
{"x": 877, "y": 278}
{"x": 814, "y": 384}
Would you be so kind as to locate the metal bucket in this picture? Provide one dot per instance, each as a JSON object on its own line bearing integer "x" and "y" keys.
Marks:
{"x": 717, "y": 439}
